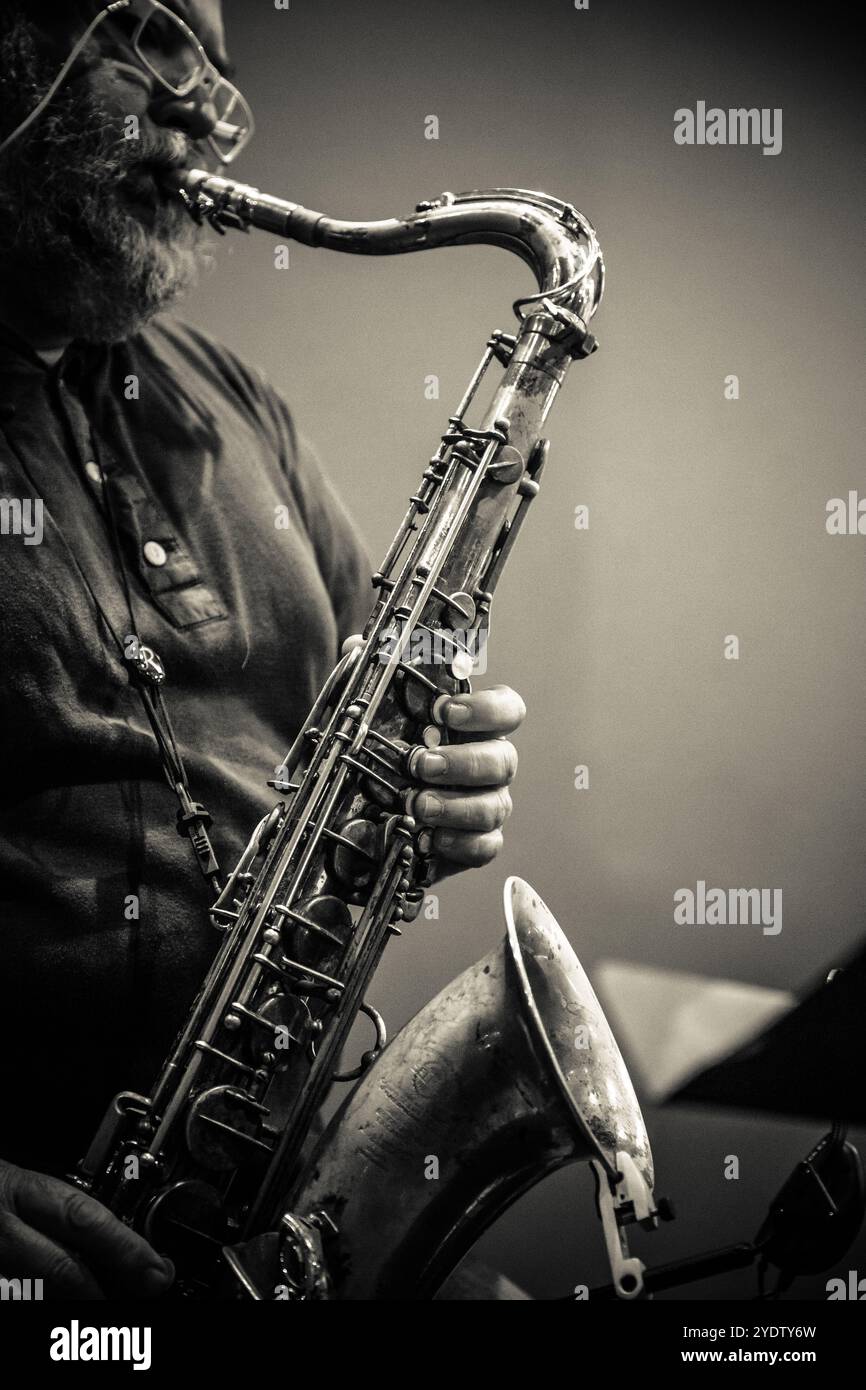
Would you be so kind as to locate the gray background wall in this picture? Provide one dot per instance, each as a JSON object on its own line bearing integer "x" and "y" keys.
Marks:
{"x": 706, "y": 515}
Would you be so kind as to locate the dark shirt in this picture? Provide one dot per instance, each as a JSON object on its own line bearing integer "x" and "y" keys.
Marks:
{"x": 262, "y": 578}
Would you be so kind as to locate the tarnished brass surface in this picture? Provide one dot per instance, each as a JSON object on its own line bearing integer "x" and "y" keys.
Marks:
{"x": 509, "y": 1073}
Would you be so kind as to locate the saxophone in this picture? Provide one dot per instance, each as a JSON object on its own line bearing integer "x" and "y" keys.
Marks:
{"x": 512, "y": 1071}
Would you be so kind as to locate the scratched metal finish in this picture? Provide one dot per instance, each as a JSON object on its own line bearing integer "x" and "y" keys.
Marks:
{"x": 557, "y": 990}
{"x": 489, "y": 1087}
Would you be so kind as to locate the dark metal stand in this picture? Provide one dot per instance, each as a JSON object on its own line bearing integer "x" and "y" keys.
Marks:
{"x": 812, "y": 1221}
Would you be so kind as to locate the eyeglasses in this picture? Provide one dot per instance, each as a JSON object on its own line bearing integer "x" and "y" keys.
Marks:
{"x": 170, "y": 51}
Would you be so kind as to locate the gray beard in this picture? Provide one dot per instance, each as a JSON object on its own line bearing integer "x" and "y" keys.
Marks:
{"x": 91, "y": 262}
{"x": 123, "y": 272}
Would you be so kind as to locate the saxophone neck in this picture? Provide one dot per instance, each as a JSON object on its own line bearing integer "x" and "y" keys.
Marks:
{"x": 557, "y": 242}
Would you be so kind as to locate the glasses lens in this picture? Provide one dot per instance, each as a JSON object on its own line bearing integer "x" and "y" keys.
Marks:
{"x": 234, "y": 121}
{"x": 164, "y": 45}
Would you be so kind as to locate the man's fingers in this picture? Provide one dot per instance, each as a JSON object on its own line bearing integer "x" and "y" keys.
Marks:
{"x": 499, "y": 710}
{"x": 454, "y": 810}
{"x": 462, "y": 848}
{"x": 489, "y": 764}
{"x": 26, "y": 1253}
{"x": 89, "y": 1229}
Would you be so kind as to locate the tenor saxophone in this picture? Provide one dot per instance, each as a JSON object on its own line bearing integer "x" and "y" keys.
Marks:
{"x": 512, "y": 1071}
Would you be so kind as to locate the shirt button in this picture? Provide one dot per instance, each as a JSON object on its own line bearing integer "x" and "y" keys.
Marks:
{"x": 154, "y": 553}
{"x": 93, "y": 471}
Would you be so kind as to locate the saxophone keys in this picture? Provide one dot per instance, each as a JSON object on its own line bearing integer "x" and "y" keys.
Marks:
{"x": 460, "y": 602}
{"x": 462, "y": 665}
{"x": 188, "y": 1222}
{"x": 318, "y": 927}
{"x": 354, "y": 853}
{"x": 508, "y": 466}
{"x": 222, "y": 1129}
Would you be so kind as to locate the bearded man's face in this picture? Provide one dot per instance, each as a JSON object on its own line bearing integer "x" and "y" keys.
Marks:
{"x": 85, "y": 218}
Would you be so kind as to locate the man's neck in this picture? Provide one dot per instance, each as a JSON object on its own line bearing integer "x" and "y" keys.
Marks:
{"x": 44, "y": 336}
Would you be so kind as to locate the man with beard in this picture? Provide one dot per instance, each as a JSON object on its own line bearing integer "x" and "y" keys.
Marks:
{"x": 160, "y": 462}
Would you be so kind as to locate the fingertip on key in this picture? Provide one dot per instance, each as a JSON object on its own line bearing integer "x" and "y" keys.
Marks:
{"x": 432, "y": 764}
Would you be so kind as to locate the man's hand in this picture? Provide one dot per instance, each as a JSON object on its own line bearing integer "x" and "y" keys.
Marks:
{"x": 53, "y": 1232}
{"x": 469, "y": 802}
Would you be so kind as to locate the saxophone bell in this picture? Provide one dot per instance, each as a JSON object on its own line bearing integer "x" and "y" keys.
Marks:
{"x": 510, "y": 1073}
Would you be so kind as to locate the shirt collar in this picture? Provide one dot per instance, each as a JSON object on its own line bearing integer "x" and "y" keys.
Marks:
{"x": 15, "y": 351}
{"x": 77, "y": 361}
